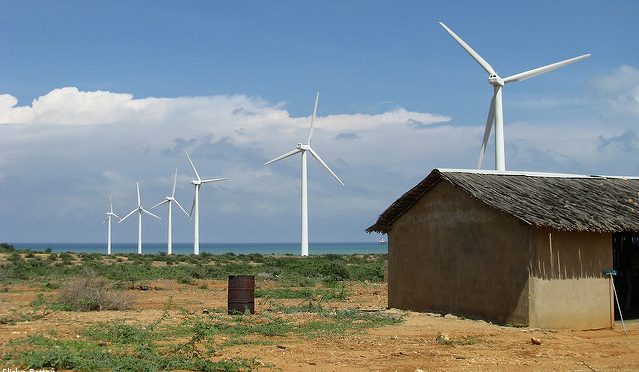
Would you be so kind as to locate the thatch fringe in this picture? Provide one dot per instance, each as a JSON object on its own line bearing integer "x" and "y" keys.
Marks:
{"x": 595, "y": 203}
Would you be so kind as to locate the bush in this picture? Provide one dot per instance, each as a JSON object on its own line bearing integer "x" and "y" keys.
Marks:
{"x": 6, "y": 248}
{"x": 334, "y": 271}
{"x": 66, "y": 258}
{"x": 90, "y": 292}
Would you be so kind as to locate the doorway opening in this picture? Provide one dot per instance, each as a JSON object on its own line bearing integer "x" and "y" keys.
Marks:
{"x": 625, "y": 260}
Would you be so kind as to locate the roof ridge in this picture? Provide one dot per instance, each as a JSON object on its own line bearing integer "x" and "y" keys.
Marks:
{"x": 530, "y": 173}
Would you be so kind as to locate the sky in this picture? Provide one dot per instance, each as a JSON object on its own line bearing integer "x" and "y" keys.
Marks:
{"x": 95, "y": 96}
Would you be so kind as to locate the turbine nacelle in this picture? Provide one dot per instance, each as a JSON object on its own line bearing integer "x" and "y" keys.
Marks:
{"x": 303, "y": 147}
{"x": 495, "y": 80}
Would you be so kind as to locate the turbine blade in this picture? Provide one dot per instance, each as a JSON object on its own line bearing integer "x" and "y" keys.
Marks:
{"x": 149, "y": 213}
{"x": 192, "y": 166}
{"x": 214, "y": 180}
{"x": 137, "y": 185}
{"x": 485, "y": 65}
{"x": 180, "y": 205}
{"x": 128, "y": 215}
{"x": 160, "y": 203}
{"x": 110, "y": 203}
{"x": 174, "y": 183}
{"x": 293, "y": 152}
{"x": 115, "y": 215}
{"x": 105, "y": 220}
{"x": 310, "y": 131}
{"x": 489, "y": 125}
{"x": 542, "y": 70}
{"x": 317, "y": 157}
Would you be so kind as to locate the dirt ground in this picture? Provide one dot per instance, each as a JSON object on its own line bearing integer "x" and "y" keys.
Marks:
{"x": 409, "y": 346}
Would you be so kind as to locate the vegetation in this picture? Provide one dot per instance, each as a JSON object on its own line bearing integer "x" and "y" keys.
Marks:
{"x": 91, "y": 292}
{"x": 130, "y": 269}
{"x": 179, "y": 339}
{"x": 193, "y": 343}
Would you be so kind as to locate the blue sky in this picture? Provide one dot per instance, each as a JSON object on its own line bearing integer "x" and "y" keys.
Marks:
{"x": 96, "y": 95}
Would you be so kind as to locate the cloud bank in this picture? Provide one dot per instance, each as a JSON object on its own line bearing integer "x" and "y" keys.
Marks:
{"x": 61, "y": 155}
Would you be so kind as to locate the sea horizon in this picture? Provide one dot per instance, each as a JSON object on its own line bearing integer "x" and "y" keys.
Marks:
{"x": 212, "y": 248}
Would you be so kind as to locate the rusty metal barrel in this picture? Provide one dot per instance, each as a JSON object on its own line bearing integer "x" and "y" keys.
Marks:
{"x": 241, "y": 294}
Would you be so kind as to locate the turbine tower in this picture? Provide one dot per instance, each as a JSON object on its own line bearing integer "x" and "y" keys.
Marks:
{"x": 195, "y": 208}
{"x": 140, "y": 209}
{"x": 304, "y": 148}
{"x": 495, "y": 112}
{"x": 169, "y": 200}
{"x": 109, "y": 217}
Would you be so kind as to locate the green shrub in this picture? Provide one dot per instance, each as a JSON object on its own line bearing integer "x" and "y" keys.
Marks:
{"x": 334, "y": 270}
{"x": 6, "y": 248}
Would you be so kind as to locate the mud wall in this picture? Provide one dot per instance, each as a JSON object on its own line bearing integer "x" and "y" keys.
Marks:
{"x": 567, "y": 287}
{"x": 451, "y": 253}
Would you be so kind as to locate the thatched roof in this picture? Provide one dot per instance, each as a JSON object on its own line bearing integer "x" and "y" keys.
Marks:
{"x": 561, "y": 202}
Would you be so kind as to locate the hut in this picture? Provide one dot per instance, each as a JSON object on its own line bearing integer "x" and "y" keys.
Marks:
{"x": 525, "y": 249}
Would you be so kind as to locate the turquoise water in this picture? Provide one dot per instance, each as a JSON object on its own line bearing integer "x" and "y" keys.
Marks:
{"x": 212, "y": 248}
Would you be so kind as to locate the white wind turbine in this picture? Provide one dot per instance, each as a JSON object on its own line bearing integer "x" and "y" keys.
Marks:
{"x": 109, "y": 217}
{"x": 195, "y": 208}
{"x": 303, "y": 148}
{"x": 495, "y": 112}
{"x": 169, "y": 200}
{"x": 140, "y": 210}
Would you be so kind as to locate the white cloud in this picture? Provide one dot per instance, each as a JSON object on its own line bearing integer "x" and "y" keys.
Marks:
{"x": 620, "y": 90}
{"x": 64, "y": 153}
{"x": 78, "y": 146}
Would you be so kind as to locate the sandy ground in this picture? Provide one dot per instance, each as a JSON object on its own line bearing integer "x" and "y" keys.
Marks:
{"x": 408, "y": 346}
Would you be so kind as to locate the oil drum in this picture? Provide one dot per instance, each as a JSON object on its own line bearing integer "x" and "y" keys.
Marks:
{"x": 241, "y": 294}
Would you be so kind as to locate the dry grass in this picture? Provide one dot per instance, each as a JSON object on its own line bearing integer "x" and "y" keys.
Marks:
{"x": 90, "y": 292}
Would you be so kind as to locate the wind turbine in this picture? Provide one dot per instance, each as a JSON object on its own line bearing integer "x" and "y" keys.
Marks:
{"x": 195, "y": 208}
{"x": 304, "y": 148}
{"x": 140, "y": 210}
{"x": 495, "y": 112}
{"x": 109, "y": 217}
{"x": 169, "y": 200}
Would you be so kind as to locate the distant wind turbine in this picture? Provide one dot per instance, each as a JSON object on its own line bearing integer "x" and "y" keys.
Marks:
{"x": 140, "y": 209}
{"x": 303, "y": 148}
{"x": 495, "y": 112}
{"x": 169, "y": 200}
{"x": 195, "y": 208}
{"x": 109, "y": 217}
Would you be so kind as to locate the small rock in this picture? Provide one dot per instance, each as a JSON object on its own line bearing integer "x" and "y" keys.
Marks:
{"x": 281, "y": 347}
{"x": 394, "y": 337}
{"x": 205, "y": 311}
{"x": 450, "y": 316}
{"x": 442, "y": 337}
{"x": 535, "y": 341}
{"x": 419, "y": 370}
{"x": 312, "y": 363}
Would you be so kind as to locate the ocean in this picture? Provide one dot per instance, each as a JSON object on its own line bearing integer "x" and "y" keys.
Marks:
{"x": 212, "y": 248}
